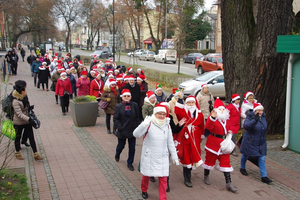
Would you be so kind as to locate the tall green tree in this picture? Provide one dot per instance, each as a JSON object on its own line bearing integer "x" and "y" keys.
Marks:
{"x": 249, "y": 35}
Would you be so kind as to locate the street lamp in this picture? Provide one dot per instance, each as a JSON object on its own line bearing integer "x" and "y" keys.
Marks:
{"x": 113, "y": 51}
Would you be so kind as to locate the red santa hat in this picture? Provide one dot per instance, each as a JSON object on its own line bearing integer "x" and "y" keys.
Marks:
{"x": 59, "y": 68}
{"x": 150, "y": 94}
{"x": 84, "y": 73}
{"x": 102, "y": 69}
{"x": 116, "y": 70}
{"x": 235, "y": 97}
{"x": 107, "y": 62}
{"x": 112, "y": 81}
{"x": 110, "y": 71}
{"x": 67, "y": 56}
{"x": 158, "y": 87}
{"x": 141, "y": 77}
{"x": 55, "y": 54}
{"x": 59, "y": 61}
{"x": 54, "y": 59}
{"x": 174, "y": 90}
{"x": 63, "y": 73}
{"x": 192, "y": 98}
{"x": 125, "y": 92}
{"x": 204, "y": 85}
{"x": 44, "y": 63}
{"x": 96, "y": 75}
{"x": 218, "y": 103}
{"x": 95, "y": 56}
{"x": 72, "y": 68}
{"x": 126, "y": 78}
{"x": 138, "y": 70}
{"x": 131, "y": 77}
{"x": 247, "y": 94}
{"x": 95, "y": 68}
{"x": 111, "y": 60}
{"x": 46, "y": 56}
{"x": 160, "y": 108}
{"x": 92, "y": 71}
{"x": 257, "y": 106}
{"x": 129, "y": 69}
{"x": 70, "y": 63}
{"x": 119, "y": 77}
{"x": 80, "y": 63}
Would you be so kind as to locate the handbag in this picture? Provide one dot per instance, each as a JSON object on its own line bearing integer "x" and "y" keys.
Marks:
{"x": 52, "y": 87}
{"x": 66, "y": 93}
{"x": 34, "y": 118}
{"x": 227, "y": 145}
{"x": 8, "y": 129}
{"x": 103, "y": 104}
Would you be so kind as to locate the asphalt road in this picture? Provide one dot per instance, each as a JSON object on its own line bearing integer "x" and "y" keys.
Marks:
{"x": 185, "y": 68}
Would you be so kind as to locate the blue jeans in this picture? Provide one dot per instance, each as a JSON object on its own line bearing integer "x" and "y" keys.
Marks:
{"x": 261, "y": 164}
{"x": 8, "y": 67}
{"x": 131, "y": 152}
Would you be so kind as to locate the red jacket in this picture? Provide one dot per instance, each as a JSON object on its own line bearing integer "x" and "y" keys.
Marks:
{"x": 83, "y": 85}
{"x": 234, "y": 119}
{"x": 96, "y": 88}
{"x": 63, "y": 85}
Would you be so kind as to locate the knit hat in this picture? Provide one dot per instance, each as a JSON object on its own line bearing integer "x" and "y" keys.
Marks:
{"x": 112, "y": 81}
{"x": 150, "y": 94}
{"x": 235, "y": 97}
{"x": 125, "y": 92}
{"x": 247, "y": 94}
{"x": 131, "y": 77}
{"x": 141, "y": 77}
{"x": 63, "y": 73}
{"x": 257, "y": 106}
{"x": 129, "y": 69}
{"x": 158, "y": 87}
{"x": 218, "y": 103}
{"x": 84, "y": 73}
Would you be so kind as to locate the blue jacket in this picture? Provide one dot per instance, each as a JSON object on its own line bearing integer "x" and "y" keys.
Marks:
{"x": 73, "y": 82}
{"x": 254, "y": 139}
{"x": 35, "y": 66}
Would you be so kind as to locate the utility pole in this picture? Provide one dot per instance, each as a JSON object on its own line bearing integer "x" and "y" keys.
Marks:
{"x": 114, "y": 31}
{"x": 166, "y": 29}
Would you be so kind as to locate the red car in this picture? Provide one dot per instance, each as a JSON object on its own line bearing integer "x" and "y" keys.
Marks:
{"x": 209, "y": 63}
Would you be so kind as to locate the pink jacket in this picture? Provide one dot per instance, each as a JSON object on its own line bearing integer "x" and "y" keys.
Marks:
{"x": 83, "y": 85}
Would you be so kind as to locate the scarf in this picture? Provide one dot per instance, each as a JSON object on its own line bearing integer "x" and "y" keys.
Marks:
{"x": 237, "y": 106}
{"x": 142, "y": 86}
{"x": 157, "y": 121}
{"x": 127, "y": 107}
{"x": 113, "y": 89}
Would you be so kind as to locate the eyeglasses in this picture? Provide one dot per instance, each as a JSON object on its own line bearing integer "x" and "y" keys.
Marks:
{"x": 126, "y": 96}
{"x": 161, "y": 113}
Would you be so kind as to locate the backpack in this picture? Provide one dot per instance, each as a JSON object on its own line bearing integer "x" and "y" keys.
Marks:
{"x": 7, "y": 106}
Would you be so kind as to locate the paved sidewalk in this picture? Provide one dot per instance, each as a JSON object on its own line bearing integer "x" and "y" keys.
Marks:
{"x": 79, "y": 162}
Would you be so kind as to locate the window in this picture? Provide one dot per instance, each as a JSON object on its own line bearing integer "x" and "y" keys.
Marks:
{"x": 207, "y": 44}
{"x": 219, "y": 79}
{"x": 213, "y": 60}
{"x": 209, "y": 59}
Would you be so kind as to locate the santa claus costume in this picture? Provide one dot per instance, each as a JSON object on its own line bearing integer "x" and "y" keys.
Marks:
{"x": 217, "y": 125}
{"x": 189, "y": 138}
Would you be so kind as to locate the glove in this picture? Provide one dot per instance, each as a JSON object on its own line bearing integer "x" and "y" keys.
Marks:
{"x": 176, "y": 162}
{"x": 146, "y": 121}
{"x": 31, "y": 107}
{"x": 31, "y": 122}
{"x": 257, "y": 117}
{"x": 108, "y": 99}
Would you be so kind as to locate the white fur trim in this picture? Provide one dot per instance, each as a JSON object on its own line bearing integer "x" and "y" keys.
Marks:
{"x": 42, "y": 68}
{"x": 179, "y": 105}
{"x": 258, "y": 108}
{"x": 208, "y": 167}
{"x": 190, "y": 99}
{"x": 214, "y": 152}
{"x": 138, "y": 78}
{"x": 165, "y": 104}
{"x": 235, "y": 98}
{"x": 248, "y": 94}
{"x": 130, "y": 70}
{"x": 125, "y": 93}
{"x": 44, "y": 63}
{"x": 224, "y": 169}
{"x": 159, "y": 109}
{"x": 153, "y": 95}
{"x": 119, "y": 79}
{"x": 113, "y": 82}
{"x": 212, "y": 119}
{"x": 158, "y": 89}
{"x": 64, "y": 73}
{"x": 131, "y": 78}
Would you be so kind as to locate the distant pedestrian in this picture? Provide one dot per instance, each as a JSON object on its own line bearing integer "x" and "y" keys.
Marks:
{"x": 43, "y": 75}
{"x": 54, "y": 79}
{"x": 14, "y": 58}
{"x": 83, "y": 84}
{"x": 73, "y": 83}
{"x": 8, "y": 59}
{"x": 35, "y": 69}
{"x": 160, "y": 95}
{"x": 64, "y": 90}
{"x": 23, "y": 53}
{"x": 126, "y": 119}
{"x": 31, "y": 58}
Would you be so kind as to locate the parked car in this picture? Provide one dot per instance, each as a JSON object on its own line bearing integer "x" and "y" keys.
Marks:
{"x": 147, "y": 55}
{"x": 209, "y": 63}
{"x": 110, "y": 54}
{"x": 214, "y": 80}
{"x": 101, "y": 54}
{"x": 129, "y": 54}
{"x": 138, "y": 52}
{"x": 192, "y": 57}
{"x": 166, "y": 55}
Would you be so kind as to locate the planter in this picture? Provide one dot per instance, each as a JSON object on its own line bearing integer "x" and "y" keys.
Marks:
{"x": 84, "y": 113}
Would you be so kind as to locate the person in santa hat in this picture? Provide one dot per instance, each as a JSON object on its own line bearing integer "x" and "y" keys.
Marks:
{"x": 54, "y": 79}
{"x": 53, "y": 66}
{"x": 109, "y": 76}
{"x": 141, "y": 80}
{"x": 254, "y": 141}
{"x": 217, "y": 124}
{"x": 120, "y": 82}
{"x": 112, "y": 63}
{"x": 74, "y": 73}
{"x": 43, "y": 76}
{"x": 247, "y": 105}
{"x": 102, "y": 74}
{"x": 234, "y": 119}
{"x": 63, "y": 89}
{"x": 73, "y": 83}
{"x": 112, "y": 96}
{"x": 157, "y": 145}
{"x": 189, "y": 138}
{"x": 129, "y": 71}
{"x": 96, "y": 88}
{"x": 47, "y": 60}
{"x": 149, "y": 104}
{"x": 94, "y": 61}
{"x": 116, "y": 72}
{"x": 83, "y": 84}
{"x": 160, "y": 95}
{"x": 125, "y": 77}
{"x": 205, "y": 100}
{"x": 75, "y": 63}
{"x": 108, "y": 66}
{"x": 134, "y": 89}
{"x": 92, "y": 75}
{"x": 126, "y": 119}
{"x": 139, "y": 72}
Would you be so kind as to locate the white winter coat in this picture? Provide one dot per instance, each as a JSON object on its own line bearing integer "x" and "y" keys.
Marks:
{"x": 157, "y": 145}
{"x": 246, "y": 105}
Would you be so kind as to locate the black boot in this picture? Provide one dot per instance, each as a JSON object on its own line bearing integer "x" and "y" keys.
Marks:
{"x": 229, "y": 186}
{"x": 168, "y": 186}
{"x": 187, "y": 177}
{"x": 206, "y": 177}
{"x": 108, "y": 131}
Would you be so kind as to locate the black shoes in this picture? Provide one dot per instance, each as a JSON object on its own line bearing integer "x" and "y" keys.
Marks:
{"x": 130, "y": 167}
{"x": 26, "y": 144}
{"x": 117, "y": 158}
{"x": 56, "y": 102}
{"x": 108, "y": 131}
{"x": 152, "y": 179}
{"x": 168, "y": 188}
{"x": 64, "y": 114}
{"x": 145, "y": 195}
{"x": 188, "y": 184}
{"x": 244, "y": 172}
{"x": 266, "y": 180}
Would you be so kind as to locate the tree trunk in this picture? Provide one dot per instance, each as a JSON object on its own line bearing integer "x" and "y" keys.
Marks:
{"x": 249, "y": 53}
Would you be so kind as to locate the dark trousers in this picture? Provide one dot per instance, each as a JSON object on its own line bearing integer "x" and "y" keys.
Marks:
{"x": 131, "y": 151}
{"x": 56, "y": 98}
{"x": 27, "y": 133}
{"x": 64, "y": 103}
{"x": 39, "y": 83}
{"x": 14, "y": 68}
{"x": 34, "y": 78}
{"x": 108, "y": 116}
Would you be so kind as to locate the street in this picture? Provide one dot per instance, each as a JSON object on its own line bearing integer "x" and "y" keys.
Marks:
{"x": 185, "y": 68}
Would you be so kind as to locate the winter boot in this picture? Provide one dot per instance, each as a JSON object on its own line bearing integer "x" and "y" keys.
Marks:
{"x": 187, "y": 177}
{"x": 37, "y": 156}
{"x": 19, "y": 155}
{"x": 206, "y": 177}
{"x": 168, "y": 186}
{"x": 229, "y": 186}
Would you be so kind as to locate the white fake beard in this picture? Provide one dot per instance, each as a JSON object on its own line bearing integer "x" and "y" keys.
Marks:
{"x": 222, "y": 116}
{"x": 191, "y": 109}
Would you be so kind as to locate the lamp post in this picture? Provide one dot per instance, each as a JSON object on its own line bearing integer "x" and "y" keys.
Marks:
{"x": 166, "y": 29}
{"x": 113, "y": 51}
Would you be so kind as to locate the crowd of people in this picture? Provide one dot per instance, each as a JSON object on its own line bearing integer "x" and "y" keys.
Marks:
{"x": 171, "y": 125}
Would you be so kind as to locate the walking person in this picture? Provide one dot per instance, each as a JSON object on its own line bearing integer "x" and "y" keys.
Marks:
{"x": 8, "y": 59}
{"x": 35, "y": 69}
{"x": 21, "y": 120}
{"x": 23, "y": 53}
{"x": 14, "y": 58}
{"x": 83, "y": 84}
{"x": 43, "y": 75}
{"x": 254, "y": 141}
{"x": 73, "y": 83}
{"x": 134, "y": 89}
{"x": 234, "y": 119}
{"x": 157, "y": 145}
{"x": 54, "y": 79}
{"x": 30, "y": 58}
{"x": 111, "y": 95}
{"x": 64, "y": 90}
{"x": 126, "y": 119}
{"x": 141, "y": 80}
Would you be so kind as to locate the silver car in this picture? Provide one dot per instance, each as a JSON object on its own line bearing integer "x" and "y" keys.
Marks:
{"x": 214, "y": 80}
{"x": 147, "y": 55}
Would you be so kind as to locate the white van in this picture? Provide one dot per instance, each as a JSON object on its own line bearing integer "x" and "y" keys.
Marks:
{"x": 166, "y": 55}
